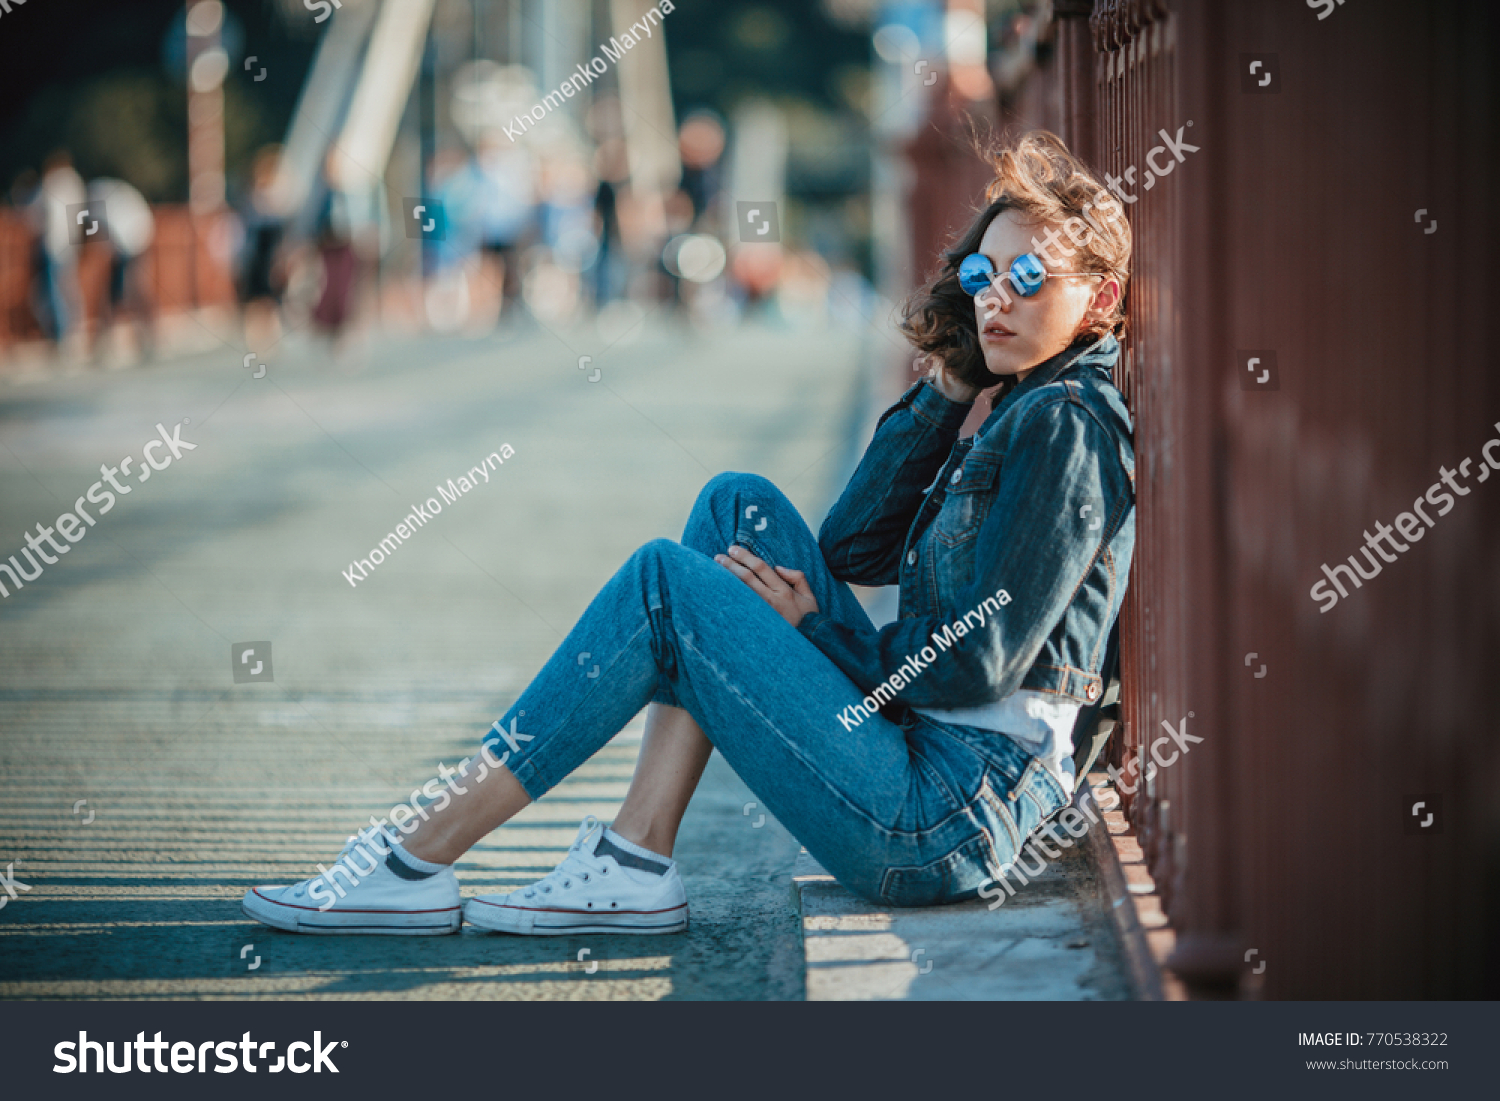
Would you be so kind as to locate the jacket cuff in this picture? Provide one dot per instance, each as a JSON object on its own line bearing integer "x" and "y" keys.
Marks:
{"x": 944, "y": 414}
{"x": 809, "y": 624}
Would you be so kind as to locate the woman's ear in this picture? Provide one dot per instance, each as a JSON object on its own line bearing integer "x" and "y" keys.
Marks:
{"x": 1103, "y": 304}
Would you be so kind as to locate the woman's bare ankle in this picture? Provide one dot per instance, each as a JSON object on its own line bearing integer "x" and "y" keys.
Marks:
{"x": 653, "y": 838}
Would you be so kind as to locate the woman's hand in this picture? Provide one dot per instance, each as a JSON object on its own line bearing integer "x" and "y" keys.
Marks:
{"x": 947, "y": 384}
{"x": 785, "y": 590}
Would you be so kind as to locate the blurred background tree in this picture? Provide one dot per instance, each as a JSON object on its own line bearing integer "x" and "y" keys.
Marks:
{"x": 113, "y": 94}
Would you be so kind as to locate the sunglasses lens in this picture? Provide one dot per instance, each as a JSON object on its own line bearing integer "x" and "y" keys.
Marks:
{"x": 1027, "y": 275}
{"x": 974, "y": 273}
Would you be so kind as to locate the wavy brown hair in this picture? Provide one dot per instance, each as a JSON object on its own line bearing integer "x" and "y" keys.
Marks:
{"x": 1040, "y": 179}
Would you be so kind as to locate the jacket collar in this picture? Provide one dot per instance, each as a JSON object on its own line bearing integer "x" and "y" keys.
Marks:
{"x": 1100, "y": 354}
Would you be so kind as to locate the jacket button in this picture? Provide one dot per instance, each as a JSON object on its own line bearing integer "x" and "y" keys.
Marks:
{"x": 911, "y": 558}
{"x": 957, "y": 475}
{"x": 1092, "y": 692}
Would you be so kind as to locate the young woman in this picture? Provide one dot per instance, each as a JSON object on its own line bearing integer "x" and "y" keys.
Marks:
{"x": 913, "y": 759}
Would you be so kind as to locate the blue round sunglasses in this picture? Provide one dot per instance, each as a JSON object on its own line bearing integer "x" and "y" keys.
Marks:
{"x": 1026, "y": 274}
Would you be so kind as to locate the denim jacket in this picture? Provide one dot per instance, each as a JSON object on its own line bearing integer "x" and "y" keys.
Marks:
{"x": 1040, "y": 503}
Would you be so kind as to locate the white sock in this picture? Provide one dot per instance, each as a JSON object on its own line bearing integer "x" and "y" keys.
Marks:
{"x": 647, "y": 861}
{"x": 421, "y": 869}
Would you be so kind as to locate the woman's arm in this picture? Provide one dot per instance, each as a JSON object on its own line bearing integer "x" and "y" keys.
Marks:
{"x": 862, "y": 537}
{"x": 1031, "y": 545}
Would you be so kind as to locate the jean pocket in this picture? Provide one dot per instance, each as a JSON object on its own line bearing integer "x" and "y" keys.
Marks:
{"x": 938, "y": 881}
{"x": 1036, "y": 797}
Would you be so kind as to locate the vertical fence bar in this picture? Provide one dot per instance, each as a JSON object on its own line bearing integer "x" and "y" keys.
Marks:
{"x": 1281, "y": 842}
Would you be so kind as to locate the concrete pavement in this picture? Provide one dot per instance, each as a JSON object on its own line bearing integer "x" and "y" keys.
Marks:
{"x": 144, "y": 790}
{"x": 1049, "y": 941}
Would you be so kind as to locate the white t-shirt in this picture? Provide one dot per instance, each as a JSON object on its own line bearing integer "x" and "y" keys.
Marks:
{"x": 1039, "y": 722}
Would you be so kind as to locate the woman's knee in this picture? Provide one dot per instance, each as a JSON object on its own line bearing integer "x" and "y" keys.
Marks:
{"x": 657, "y": 552}
{"x": 732, "y": 485}
{"x": 660, "y": 564}
{"x": 717, "y": 509}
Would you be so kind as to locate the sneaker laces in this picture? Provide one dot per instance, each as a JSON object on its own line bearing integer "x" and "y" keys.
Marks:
{"x": 578, "y": 866}
{"x": 375, "y": 840}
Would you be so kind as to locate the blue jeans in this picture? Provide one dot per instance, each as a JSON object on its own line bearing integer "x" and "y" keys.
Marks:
{"x": 906, "y": 813}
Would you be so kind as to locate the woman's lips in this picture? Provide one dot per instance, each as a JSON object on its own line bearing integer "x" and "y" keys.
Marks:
{"x": 995, "y": 332}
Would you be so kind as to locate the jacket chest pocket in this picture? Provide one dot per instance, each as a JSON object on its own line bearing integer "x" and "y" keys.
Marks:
{"x": 968, "y": 495}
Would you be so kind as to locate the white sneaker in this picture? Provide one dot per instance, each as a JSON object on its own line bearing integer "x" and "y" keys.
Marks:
{"x": 359, "y": 894}
{"x": 589, "y": 892}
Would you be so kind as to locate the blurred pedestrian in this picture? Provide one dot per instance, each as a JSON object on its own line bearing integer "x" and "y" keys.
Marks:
{"x": 262, "y": 274}
{"x": 613, "y": 170}
{"x": 565, "y": 243}
{"x": 689, "y": 209}
{"x": 700, "y": 143}
{"x": 504, "y": 180}
{"x": 450, "y": 262}
{"x": 61, "y": 187}
{"x": 130, "y": 227}
{"x": 25, "y": 193}
{"x": 335, "y": 238}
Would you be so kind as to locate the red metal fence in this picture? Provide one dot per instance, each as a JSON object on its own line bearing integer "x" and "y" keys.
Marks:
{"x": 186, "y": 267}
{"x": 1300, "y": 233}
{"x": 1295, "y": 230}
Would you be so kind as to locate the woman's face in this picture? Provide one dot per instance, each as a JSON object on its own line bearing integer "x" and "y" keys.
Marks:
{"x": 1018, "y": 334}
